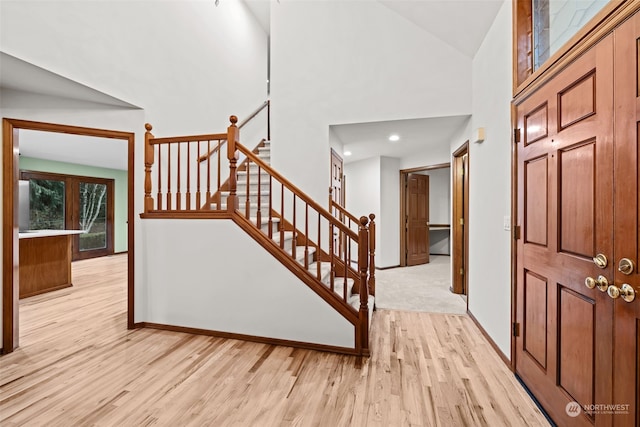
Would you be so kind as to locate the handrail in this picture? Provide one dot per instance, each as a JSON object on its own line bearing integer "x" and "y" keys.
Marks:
{"x": 211, "y": 153}
{"x": 189, "y": 138}
{"x": 299, "y": 193}
{"x": 344, "y": 211}
{"x": 265, "y": 104}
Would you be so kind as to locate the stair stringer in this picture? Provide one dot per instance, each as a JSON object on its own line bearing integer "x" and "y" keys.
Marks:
{"x": 215, "y": 277}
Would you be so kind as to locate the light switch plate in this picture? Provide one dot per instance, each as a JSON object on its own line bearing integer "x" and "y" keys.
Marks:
{"x": 507, "y": 222}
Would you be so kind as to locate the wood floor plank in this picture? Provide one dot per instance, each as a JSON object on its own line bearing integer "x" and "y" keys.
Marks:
{"x": 78, "y": 365}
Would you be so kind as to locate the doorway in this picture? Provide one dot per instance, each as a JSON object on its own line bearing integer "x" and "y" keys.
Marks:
{"x": 424, "y": 213}
{"x": 460, "y": 262}
{"x": 10, "y": 277}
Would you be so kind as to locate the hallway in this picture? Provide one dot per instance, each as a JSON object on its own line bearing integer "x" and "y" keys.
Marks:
{"x": 422, "y": 288}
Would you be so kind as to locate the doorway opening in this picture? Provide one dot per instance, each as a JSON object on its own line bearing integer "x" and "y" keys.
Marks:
{"x": 10, "y": 235}
{"x": 424, "y": 213}
{"x": 460, "y": 261}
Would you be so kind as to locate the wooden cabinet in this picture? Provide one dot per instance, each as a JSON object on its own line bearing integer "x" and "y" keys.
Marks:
{"x": 45, "y": 261}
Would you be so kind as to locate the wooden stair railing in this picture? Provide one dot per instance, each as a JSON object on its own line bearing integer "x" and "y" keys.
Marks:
{"x": 277, "y": 214}
{"x": 178, "y": 169}
{"x": 348, "y": 219}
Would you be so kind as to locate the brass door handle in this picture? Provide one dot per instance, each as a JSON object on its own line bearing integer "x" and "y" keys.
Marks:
{"x": 626, "y": 292}
{"x": 601, "y": 282}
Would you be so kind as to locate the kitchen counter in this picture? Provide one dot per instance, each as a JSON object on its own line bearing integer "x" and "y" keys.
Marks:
{"x": 30, "y": 234}
{"x": 45, "y": 260}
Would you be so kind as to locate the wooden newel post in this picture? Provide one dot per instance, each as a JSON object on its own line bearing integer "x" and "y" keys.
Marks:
{"x": 363, "y": 265}
{"x": 372, "y": 255}
{"x": 148, "y": 163}
{"x": 331, "y": 200}
{"x": 233, "y": 135}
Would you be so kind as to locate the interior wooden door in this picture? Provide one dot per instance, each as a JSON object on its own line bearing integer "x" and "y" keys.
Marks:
{"x": 565, "y": 210}
{"x": 626, "y": 327}
{"x": 417, "y": 226}
{"x": 338, "y": 197}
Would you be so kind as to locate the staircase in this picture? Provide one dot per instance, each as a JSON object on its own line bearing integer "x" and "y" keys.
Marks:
{"x": 322, "y": 250}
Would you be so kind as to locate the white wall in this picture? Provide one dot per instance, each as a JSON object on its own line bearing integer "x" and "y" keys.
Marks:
{"x": 388, "y": 225}
{"x": 337, "y": 62}
{"x": 490, "y": 183}
{"x": 373, "y": 186}
{"x": 363, "y": 191}
{"x": 194, "y": 281}
{"x": 188, "y": 64}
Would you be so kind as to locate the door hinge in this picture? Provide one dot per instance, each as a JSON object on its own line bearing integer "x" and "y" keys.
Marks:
{"x": 516, "y": 135}
{"x": 461, "y": 221}
{"x": 462, "y": 271}
{"x": 515, "y": 327}
{"x": 516, "y": 232}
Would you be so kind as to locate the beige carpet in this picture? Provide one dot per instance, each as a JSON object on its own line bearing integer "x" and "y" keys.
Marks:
{"x": 419, "y": 288}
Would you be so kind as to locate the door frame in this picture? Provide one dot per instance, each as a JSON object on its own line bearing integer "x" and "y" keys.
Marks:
{"x": 10, "y": 256}
{"x": 460, "y": 233}
{"x": 404, "y": 175}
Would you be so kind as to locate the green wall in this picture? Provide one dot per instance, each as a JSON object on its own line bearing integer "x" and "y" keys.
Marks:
{"x": 120, "y": 189}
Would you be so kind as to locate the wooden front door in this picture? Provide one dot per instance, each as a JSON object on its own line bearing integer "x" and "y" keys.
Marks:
{"x": 417, "y": 221}
{"x": 576, "y": 345}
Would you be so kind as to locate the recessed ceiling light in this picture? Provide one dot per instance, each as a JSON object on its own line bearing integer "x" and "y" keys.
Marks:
{"x": 347, "y": 153}
{"x": 394, "y": 138}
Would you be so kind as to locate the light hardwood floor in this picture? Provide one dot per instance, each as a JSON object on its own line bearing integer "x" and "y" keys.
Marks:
{"x": 79, "y": 365}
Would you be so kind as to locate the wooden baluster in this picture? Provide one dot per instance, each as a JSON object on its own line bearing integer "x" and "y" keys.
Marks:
{"x": 148, "y": 163}
{"x": 259, "y": 212}
{"x": 295, "y": 230}
{"x": 159, "y": 195}
{"x": 232, "y": 156}
{"x": 270, "y": 208}
{"x": 363, "y": 256}
{"x": 198, "y": 193}
{"x": 372, "y": 255}
{"x": 318, "y": 251}
{"x": 169, "y": 204}
{"x": 188, "y": 195}
{"x": 208, "y": 194}
{"x": 332, "y": 262}
{"x": 247, "y": 203}
{"x": 178, "y": 194}
{"x": 343, "y": 242}
{"x": 219, "y": 155}
{"x": 282, "y": 215}
{"x": 306, "y": 233}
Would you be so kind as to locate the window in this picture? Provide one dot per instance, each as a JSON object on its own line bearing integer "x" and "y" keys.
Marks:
{"x": 59, "y": 202}
{"x": 548, "y": 32}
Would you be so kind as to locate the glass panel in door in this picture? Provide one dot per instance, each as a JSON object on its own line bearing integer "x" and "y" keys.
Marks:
{"x": 92, "y": 215}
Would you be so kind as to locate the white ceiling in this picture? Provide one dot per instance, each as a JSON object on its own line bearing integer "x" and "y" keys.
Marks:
{"x": 365, "y": 140}
{"x": 85, "y": 150}
{"x": 16, "y": 74}
{"x": 461, "y": 24}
